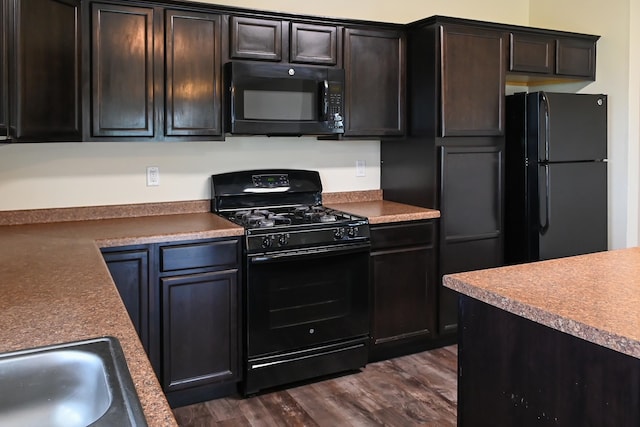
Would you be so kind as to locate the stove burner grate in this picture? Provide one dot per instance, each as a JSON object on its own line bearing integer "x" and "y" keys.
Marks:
{"x": 264, "y": 218}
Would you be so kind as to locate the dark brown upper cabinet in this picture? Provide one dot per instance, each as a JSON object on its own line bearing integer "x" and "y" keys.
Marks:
{"x": 40, "y": 70}
{"x": 193, "y": 74}
{"x": 472, "y": 83}
{"x": 375, "y": 73}
{"x": 277, "y": 40}
{"x": 530, "y": 53}
{"x": 314, "y": 44}
{"x": 155, "y": 73}
{"x": 576, "y": 58}
{"x": 545, "y": 56}
{"x": 122, "y": 61}
{"x": 253, "y": 38}
{"x": 3, "y": 69}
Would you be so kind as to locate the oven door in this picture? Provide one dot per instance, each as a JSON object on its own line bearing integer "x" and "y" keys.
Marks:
{"x": 300, "y": 299}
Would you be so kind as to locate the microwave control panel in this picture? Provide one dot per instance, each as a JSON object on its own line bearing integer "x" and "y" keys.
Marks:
{"x": 334, "y": 111}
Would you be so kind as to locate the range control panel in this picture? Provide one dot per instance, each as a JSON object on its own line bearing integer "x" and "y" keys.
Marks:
{"x": 270, "y": 181}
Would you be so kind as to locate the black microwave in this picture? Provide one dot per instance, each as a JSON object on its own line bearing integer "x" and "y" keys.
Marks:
{"x": 276, "y": 99}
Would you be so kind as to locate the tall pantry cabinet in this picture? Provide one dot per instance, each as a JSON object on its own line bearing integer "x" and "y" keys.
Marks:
{"x": 452, "y": 158}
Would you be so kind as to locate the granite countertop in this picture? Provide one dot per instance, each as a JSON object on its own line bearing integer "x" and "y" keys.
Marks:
{"x": 383, "y": 211}
{"x": 56, "y": 288}
{"x": 595, "y": 297}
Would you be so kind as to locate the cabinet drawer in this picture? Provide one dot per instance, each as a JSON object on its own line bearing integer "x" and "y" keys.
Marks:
{"x": 405, "y": 234}
{"x": 199, "y": 255}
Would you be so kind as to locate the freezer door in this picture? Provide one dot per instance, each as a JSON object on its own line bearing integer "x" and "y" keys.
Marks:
{"x": 570, "y": 127}
{"x": 573, "y": 209}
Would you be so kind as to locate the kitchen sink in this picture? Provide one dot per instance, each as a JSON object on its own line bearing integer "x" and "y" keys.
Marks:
{"x": 83, "y": 383}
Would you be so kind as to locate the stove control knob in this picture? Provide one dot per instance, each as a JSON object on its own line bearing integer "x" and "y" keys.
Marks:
{"x": 338, "y": 233}
{"x": 267, "y": 242}
{"x": 283, "y": 239}
{"x": 352, "y": 232}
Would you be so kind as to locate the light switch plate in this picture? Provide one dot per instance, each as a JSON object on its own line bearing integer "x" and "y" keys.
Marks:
{"x": 360, "y": 168}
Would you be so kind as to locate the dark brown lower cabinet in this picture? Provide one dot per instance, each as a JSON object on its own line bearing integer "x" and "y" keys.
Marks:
{"x": 129, "y": 269}
{"x": 183, "y": 300}
{"x": 199, "y": 332}
{"x": 403, "y": 291}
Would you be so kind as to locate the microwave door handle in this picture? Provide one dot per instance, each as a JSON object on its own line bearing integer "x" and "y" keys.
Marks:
{"x": 325, "y": 100}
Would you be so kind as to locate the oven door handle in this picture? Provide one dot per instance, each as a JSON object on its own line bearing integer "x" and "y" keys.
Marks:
{"x": 310, "y": 252}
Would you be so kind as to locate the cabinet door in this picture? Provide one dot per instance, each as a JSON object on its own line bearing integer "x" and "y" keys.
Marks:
{"x": 374, "y": 64}
{"x": 3, "y": 68}
{"x": 193, "y": 74}
{"x": 253, "y": 38}
{"x": 530, "y": 53}
{"x": 471, "y": 204}
{"x": 403, "y": 305}
{"x": 44, "y": 64}
{"x": 314, "y": 44}
{"x": 576, "y": 58}
{"x": 122, "y": 75}
{"x": 403, "y": 278}
{"x": 199, "y": 329}
{"x": 130, "y": 272}
{"x": 472, "y": 81}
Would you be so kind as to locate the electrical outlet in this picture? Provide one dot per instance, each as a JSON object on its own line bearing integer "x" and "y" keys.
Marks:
{"x": 153, "y": 176}
{"x": 360, "y": 168}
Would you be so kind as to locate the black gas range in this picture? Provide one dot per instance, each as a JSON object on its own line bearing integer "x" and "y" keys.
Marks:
{"x": 282, "y": 210}
{"x": 306, "y": 276}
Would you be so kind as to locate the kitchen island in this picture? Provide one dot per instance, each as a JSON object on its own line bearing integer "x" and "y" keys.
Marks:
{"x": 551, "y": 343}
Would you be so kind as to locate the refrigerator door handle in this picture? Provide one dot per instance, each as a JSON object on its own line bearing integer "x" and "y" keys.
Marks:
{"x": 547, "y": 202}
{"x": 547, "y": 135}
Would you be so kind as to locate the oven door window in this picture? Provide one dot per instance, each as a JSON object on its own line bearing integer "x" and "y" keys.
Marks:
{"x": 278, "y": 100}
{"x": 306, "y": 301}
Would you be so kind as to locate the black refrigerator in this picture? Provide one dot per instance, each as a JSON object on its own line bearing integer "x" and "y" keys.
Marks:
{"x": 555, "y": 175}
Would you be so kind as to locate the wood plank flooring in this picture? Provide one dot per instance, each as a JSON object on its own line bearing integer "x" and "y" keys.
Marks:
{"x": 415, "y": 390}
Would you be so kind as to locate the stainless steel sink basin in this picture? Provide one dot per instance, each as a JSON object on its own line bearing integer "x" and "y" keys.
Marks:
{"x": 84, "y": 383}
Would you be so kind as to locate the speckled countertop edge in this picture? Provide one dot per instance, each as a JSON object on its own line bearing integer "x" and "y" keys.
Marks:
{"x": 384, "y": 211}
{"x": 88, "y": 213}
{"x": 594, "y": 297}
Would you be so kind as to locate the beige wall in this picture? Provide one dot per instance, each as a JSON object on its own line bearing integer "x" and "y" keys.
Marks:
{"x": 633, "y": 221}
{"x": 612, "y": 21}
{"x": 64, "y": 175}
{"x": 399, "y": 11}
{"x": 58, "y": 175}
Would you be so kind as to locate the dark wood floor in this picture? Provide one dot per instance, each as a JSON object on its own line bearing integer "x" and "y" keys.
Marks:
{"x": 414, "y": 390}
